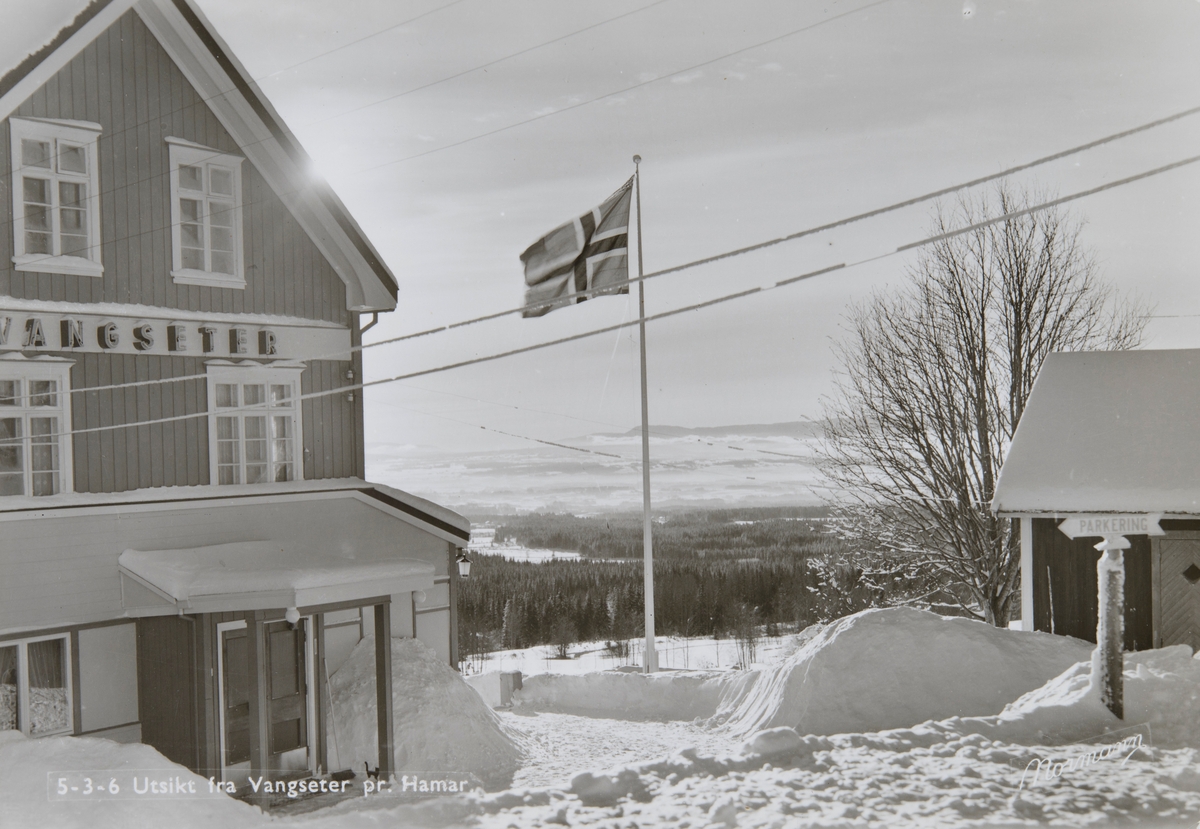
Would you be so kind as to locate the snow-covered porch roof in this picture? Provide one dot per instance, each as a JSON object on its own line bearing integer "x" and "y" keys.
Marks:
{"x": 1115, "y": 431}
{"x": 258, "y": 575}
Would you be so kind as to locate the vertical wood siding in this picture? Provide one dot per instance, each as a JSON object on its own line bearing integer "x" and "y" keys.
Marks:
{"x": 126, "y": 82}
{"x": 166, "y": 687}
{"x": 332, "y": 424}
{"x": 176, "y": 453}
{"x": 1065, "y": 588}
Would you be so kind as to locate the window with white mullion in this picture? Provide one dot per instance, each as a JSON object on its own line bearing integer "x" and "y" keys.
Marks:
{"x": 32, "y": 431}
{"x": 254, "y": 431}
{"x": 205, "y": 207}
{"x": 54, "y": 196}
{"x": 35, "y": 686}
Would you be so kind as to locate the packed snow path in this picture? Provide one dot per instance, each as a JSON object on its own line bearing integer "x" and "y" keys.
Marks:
{"x": 831, "y": 743}
{"x": 559, "y": 746}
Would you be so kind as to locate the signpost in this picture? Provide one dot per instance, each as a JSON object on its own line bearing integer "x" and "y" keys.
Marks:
{"x": 1108, "y": 660}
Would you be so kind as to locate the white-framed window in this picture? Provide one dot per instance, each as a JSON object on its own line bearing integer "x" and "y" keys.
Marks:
{"x": 35, "y": 686}
{"x": 206, "y": 216}
{"x": 56, "y": 206}
{"x": 35, "y": 426}
{"x": 254, "y": 432}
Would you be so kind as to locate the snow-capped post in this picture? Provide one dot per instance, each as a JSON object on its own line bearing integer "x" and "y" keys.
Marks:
{"x": 1108, "y": 660}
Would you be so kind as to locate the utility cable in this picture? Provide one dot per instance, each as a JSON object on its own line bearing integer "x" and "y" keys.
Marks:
{"x": 740, "y": 251}
{"x": 622, "y": 91}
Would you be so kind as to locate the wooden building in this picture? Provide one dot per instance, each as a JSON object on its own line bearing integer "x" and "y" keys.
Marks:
{"x": 1110, "y": 434}
{"x": 188, "y": 546}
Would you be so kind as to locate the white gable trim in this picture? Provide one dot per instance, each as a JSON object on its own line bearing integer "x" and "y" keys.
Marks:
{"x": 254, "y": 137}
{"x": 364, "y": 288}
{"x": 408, "y": 519}
{"x": 61, "y": 56}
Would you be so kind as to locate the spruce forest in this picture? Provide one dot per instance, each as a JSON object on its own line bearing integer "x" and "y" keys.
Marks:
{"x": 717, "y": 573}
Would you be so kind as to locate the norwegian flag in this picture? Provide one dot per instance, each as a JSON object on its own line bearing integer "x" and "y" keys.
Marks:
{"x": 588, "y": 253}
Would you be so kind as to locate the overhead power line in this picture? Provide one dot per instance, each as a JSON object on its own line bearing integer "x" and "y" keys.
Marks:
{"x": 759, "y": 246}
{"x": 622, "y": 91}
{"x": 674, "y": 312}
{"x": 487, "y": 65}
{"x": 870, "y": 214}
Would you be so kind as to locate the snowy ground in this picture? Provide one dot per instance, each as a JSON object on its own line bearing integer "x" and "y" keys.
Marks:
{"x": 1017, "y": 741}
{"x": 674, "y": 653}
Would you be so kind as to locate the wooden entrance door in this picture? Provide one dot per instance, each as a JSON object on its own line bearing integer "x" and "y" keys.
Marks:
{"x": 233, "y": 679}
{"x": 1177, "y": 588}
{"x": 287, "y": 694}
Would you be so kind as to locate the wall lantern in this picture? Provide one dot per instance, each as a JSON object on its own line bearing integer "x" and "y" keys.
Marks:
{"x": 292, "y": 617}
{"x": 464, "y": 563}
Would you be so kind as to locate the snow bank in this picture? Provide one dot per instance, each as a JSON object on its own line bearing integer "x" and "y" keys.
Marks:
{"x": 1162, "y": 690}
{"x": 441, "y": 724}
{"x": 24, "y": 801}
{"x": 632, "y": 696}
{"x": 895, "y": 667}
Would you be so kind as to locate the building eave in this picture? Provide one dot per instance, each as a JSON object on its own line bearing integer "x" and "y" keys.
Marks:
{"x": 241, "y": 107}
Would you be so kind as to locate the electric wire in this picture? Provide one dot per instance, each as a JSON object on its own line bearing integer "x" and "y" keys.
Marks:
{"x": 726, "y": 298}
{"x": 639, "y": 85}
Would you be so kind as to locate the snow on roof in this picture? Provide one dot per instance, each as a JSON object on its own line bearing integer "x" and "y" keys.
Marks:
{"x": 1108, "y": 431}
{"x": 411, "y": 505}
{"x": 255, "y": 574}
{"x": 38, "y": 28}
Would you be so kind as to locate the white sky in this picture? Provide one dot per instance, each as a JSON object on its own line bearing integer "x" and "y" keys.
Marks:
{"x": 883, "y": 104}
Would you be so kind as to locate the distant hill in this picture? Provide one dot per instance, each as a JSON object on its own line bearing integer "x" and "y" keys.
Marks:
{"x": 793, "y": 429}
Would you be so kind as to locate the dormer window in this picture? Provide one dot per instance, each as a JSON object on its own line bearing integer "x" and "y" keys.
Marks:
{"x": 55, "y": 205}
{"x": 206, "y": 216}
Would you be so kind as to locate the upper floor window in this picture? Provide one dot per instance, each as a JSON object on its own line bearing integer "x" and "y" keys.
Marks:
{"x": 55, "y": 196}
{"x": 206, "y": 211}
{"x": 34, "y": 427}
{"x": 254, "y": 424}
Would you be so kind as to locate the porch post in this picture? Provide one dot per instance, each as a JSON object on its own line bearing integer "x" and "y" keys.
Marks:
{"x": 452, "y": 570}
{"x": 257, "y": 646}
{"x": 317, "y": 735}
{"x": 383, "y": 687}
{"x": 1026, "y": 533}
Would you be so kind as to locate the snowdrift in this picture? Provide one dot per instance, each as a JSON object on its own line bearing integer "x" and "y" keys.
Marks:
{"x": 630, "y": 696}
{"x": 441, "y": 723}
{"x": 25, "y": 763}
{"x": 1162, "y": 690}
{"x": 896, "y": 667}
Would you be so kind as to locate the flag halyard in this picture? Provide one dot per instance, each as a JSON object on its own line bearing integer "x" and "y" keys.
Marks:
{"x": 590, "y": 253}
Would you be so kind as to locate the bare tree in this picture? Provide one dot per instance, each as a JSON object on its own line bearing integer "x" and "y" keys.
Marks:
{"x": 934, "y": 378}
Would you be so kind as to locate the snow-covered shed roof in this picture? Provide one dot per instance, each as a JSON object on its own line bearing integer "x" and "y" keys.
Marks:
{"x": 43, "y": 37}
{"x": 433, "y": 518}
{"x": 1113, "y": 431}
{"x": 256, "y": 575}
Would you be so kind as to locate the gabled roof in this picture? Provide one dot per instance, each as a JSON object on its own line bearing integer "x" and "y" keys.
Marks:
{"x": 237, "y": 101}
{"x": 1115, "y": 431}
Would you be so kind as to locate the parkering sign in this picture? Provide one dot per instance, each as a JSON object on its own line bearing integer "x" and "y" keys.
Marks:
{"x": 1106, "y": 525}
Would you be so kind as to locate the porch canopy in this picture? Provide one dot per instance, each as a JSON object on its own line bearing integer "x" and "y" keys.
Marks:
{"x": 1111, "y": 431}
{"x": 259, "y": 575}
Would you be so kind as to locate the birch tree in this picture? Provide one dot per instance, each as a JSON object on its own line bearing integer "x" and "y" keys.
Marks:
{"x": 934, "y": 377}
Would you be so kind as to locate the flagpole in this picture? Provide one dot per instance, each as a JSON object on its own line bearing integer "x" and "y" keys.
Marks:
{"x": 651, "y": 660}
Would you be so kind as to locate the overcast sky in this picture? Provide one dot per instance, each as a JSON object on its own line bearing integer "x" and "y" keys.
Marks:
{"x": 754, "y": 120}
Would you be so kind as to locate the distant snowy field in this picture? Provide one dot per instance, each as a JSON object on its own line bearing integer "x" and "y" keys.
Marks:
{"x": 886, "y": 718}
{"x": 757, "y": 465}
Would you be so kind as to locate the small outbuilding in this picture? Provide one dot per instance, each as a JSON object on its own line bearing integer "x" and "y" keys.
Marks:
{"x": 1110, "y": 438}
